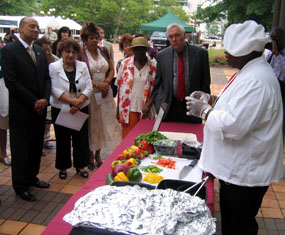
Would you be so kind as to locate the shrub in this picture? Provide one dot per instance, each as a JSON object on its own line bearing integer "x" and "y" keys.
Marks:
{"x": 220, "y": 59}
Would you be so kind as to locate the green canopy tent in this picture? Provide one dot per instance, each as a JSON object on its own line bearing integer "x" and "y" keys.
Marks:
{"x": 162, "y": 23}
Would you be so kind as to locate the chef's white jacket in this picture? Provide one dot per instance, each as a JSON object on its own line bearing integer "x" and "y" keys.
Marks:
{"x": 60, "y": 82}
{"x": 243, "y": 134}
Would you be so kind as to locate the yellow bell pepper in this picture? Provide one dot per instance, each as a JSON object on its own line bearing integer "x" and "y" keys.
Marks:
{"x": 114, "y": 163}
{"x": 121, "y": 177}
{"x": 153, "y": 178}
{"x": 134, "y": 148}
{"x": 127, "y": 152}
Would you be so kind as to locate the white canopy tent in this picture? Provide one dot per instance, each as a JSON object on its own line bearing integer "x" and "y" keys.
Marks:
{"x": 47, "y": 21}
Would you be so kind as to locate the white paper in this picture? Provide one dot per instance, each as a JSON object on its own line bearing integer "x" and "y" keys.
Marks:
{"x": 101, "y": 100}
{"x": 158, "y": 119}
{"x": 72, "y": 121}
{"x": 195, "y": 175}
{"x": 183, "y": 137}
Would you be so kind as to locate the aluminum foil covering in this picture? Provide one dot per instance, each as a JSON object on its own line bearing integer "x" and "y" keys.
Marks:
{"x": 137, "y": 210}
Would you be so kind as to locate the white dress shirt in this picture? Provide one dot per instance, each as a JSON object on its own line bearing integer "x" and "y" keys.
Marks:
{"x": 60, "y": 82}
{"x": 243, "y": 134}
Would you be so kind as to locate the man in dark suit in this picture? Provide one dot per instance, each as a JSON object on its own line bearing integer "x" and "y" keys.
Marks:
{"x": 27, "y": 78}
{"x": 181, "y": 69}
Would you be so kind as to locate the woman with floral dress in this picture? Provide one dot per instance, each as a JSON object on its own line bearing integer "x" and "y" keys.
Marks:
{"x": 135, "y": 81}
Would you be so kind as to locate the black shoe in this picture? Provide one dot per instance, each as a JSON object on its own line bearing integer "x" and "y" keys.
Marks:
{"x": 83, "y": 173}
{"x": 27, "y": 196}
{"x": 99, "y": 164}
{"x": 62, "y": 175}
{"x": 91, "y": 166}
{"x": 41, "y": 184}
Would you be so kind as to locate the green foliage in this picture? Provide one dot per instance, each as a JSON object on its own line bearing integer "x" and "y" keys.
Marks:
{"x": 212, "y": 28}
{"x": 115, "y": 16}
{"x": 18, "y": 7}
{"x": 237, "y": 11}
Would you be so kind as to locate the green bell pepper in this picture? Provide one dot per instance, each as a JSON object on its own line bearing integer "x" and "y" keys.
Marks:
{"x": 134, "y": 174}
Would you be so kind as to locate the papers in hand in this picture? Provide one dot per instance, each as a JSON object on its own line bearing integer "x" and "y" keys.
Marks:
{"x": 101, "y": 100}
{"x": 72, "y": 121}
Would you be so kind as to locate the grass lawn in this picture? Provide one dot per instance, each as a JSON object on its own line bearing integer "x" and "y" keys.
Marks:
{"x": 213, "y": 53}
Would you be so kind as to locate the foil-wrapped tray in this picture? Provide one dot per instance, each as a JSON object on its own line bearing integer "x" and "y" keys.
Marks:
{"x": 138, "y": 210}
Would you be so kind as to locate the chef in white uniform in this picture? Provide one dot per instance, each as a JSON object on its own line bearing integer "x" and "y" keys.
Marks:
{"x": 243, "y": 132}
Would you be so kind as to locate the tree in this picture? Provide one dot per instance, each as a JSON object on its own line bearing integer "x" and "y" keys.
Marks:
{"x": 18, "y": 7}
{"x": 115, "y": 16}
{"x": 213, "y": 28}
{"x": 237, "y": 11}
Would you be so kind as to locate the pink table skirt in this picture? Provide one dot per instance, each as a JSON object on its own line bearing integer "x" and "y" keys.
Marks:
{"x": 59, "y": 227}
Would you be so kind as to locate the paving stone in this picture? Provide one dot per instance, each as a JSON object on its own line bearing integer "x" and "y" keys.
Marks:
{"x": 19, "y": 203}
{"x": 280, "y": 224}
{"x": 218, "y": 216}
{"x": 49, "y": 219}
{"x": 28, "y": 205}
{"x": 8, "y": 212}
{"x": 272, "y": 232}
{"x": 10, "y": 191}
{"x": 18, "y": 214}
{"x": 59, "y": 197}
{"x": 40, "y": 218}
{"x": 58, "y": 208}
{"x": 260, "y": 222}
{"x": 262, "y": 232}
{"x": 48, "y": 196}
{"x": 39, "y": 205}
{"x": 66, "y": 198}
{"x": 29, "y": 216}
{"x": 50, "y": 206}
{"x": 40, "y": 194}
{"x": 269, "y": 224}
{"x": 4, "y": 188}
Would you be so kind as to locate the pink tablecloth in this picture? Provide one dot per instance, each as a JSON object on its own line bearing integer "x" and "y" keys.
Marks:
{"x": 59, "y": 227}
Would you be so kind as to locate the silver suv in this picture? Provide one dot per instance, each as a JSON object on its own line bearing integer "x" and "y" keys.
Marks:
{"x": 159, "y": 40}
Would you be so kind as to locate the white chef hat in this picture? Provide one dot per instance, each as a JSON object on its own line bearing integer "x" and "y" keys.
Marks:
{"x": 242, "y": 39}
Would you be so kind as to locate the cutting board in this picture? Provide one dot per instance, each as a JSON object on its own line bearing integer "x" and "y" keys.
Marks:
{"x": 195, "y": 175}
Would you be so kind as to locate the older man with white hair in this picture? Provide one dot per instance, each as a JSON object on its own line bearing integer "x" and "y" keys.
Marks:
{"x": 181, "y": 69}
{"x": 243, "y": 132}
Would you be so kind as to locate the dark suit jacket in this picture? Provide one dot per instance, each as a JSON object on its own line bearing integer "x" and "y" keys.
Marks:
{"x": 199, "y": 74}
{"x": 25, "y": 81}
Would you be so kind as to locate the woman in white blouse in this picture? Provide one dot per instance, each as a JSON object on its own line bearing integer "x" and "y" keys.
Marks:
{"x": 104, "y": 129}
{"x": 71, "y": 86}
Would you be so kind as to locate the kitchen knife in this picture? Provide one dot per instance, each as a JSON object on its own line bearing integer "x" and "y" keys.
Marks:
{"x": 186, "y": 169}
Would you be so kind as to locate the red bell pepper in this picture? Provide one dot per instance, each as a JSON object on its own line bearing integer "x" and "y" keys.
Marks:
{"x": 121, "y": 157}
{"x": 140, "y": 154}
{"x": 144, "y": 145}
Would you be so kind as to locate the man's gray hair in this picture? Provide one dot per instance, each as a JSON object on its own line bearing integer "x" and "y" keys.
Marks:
{"x": 174, "y": 25}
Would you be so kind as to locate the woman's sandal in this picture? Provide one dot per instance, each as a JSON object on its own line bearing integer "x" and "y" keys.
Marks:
{"x": 83, "y": 173}
{"x": 91, "y": 166}
{"x": 62, "y": 175}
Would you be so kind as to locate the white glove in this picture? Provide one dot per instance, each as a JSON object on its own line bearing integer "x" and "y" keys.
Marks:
{"x": 200, "y": 95}
{"x": 196, "y": 107}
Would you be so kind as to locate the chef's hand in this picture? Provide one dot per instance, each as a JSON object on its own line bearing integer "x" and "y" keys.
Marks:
{"x": 200, "y": 95}
{"x": 195, "y": 106}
